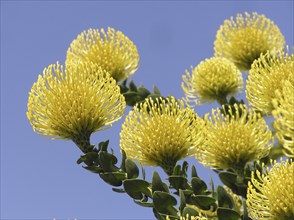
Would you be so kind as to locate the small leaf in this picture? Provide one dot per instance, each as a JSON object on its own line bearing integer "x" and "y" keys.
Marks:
{"x": 133, "y": 87}
{"x": 118, "y": 190}
{"x": 227, "y": 214}
{"x": 144, "y": 204}
{"x": 198, "y": 185}
{"x": 143, "y": 92}
{"x": 131, "y": 98}
{"x": 103, "y": 145}
{"x": 123, "y": 161}
{"x": 178, "y": 182}
{"x": 185, "y": 168}
{"x": 107, "y": 162}
{"x": 156, "y": 91}
{"x": 94, "y": 169}
{"x": 203, "y": 202}
{"x": 114, "y": 179}
{"x": 190, "y": 212}
{"x": 177, "y": 170}
{"x": 164, "y": 203}
{"x": 182, "y": 201}
{"x": 131, "y": 169}
{"x": 157, "y": 184}
{"x": 224, "y": 199}
{"x": 136, "y": 188}
{"x": 193, "y": 172}
{"x": 229, "y": 179}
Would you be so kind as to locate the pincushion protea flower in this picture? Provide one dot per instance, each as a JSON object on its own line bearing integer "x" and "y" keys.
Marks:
{"x": 160, "y": 132}
{"x": 213, "y": 79}
{"x": 267, "y": 75}
{"x": 244, "y": 39}
{"x": 74, "y": 106}
{"x": 284, "y": 116}
{"x": 111, "y": 50}
{"x": 234, "y": 139}
{"x": 271, "y": 195}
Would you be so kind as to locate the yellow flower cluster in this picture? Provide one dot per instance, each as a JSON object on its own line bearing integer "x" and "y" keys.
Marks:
{"x": 271, "y": 195}
{"x": 267, "y": 75}
{"x": 243, "y": 40}
{"x": 234, "y": 139}
{"x": 111, "y": 50}
{"x": 74, "y": 103}
{"x": 160, "y": 132}
{"x": 284, "y": 116}
{"x": 213, "y": 79}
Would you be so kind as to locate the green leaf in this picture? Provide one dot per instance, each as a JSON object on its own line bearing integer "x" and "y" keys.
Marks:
{"x": 193, "y": 172}
{"x": 157, "y": 184}
{"x": 227, "y": 214}
{"x": 177, "y": 170}
{"x": 118, "y": 190}
{"x": 103, "y": 145}
{"x": 136, "y": 188}
{"x": 224, "y": 199}
{"x": 131, "y": 169}
{"x": 203, "y": 202}
{"x": 164, "y": 203}
{"x": 143, "y": 92}
{"x": 144, "y": 204}
{"x": 133, "y": 87}
{"x": 178, "y": 182}
{"x": 190, "y": 212}
{"x": 114, "y": 179}
{"x": 229, "y": 179}
{"x": 131, "y": 98}
{"x": 182, "y": 201}
{"x": 156, "y": 91}
{"x": 198, "y": 186}
{"x": 107, "y": 162}
{"x": 123, "y": 161}
{"x": 94, "y": 169}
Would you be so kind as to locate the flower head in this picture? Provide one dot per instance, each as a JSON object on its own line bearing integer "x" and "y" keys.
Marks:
{"x": 111, "y": 50}
{"x": 211, "y": 80}
{"x": 235, "y": 138}
{"x": 244, "y": 39}
{"x": 284, "y": 117}
{"x": 160, "y": 132}
{"x": 74, "y": 107}
{"x": 271, "y": 195}
{"x": 267, "y": 75}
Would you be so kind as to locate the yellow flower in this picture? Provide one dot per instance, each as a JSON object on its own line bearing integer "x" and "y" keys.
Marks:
{"x": 267, "y": 75}
{"x": 74, "y": 107}
{"x": 244, "y": 39}
{"x": 234, "y": 139}
{"x": 213, "y": 79}
{"x": 111, "y": 50}
{"x": 284, "y": 117}
{"x": 271, "y": 195}
{"x": 160, "y": 132}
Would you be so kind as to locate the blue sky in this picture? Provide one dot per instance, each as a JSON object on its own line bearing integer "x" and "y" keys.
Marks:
{"x": 39, "y": 177}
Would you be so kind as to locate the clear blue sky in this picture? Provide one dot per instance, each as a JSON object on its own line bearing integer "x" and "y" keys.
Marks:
{"x": 39, "y": 177}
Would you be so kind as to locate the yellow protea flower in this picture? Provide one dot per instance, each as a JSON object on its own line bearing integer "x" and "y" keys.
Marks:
{"x": 284, "y": 117}
{"x": 111, "y": 50}
{"x": 244, "y": 39}
{"x": 213, "y": 79}
{"x": 268, "y": 74}
{"x": 271, "y": 195}
{"x": 74, "y": 107}
{"x": 235, "y": 138}
{"x": 160, "y": 132}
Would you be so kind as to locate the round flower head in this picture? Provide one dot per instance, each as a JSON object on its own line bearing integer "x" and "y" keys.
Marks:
{"x": 160, "y": 132}
{"x": 213, "y": 79}
{"x": 271, "y": 195}
{"x": 74, "y": 107}
{"x": 234, "y": 139}
{"x": 268, "y": 74}
{"x": 244, "y": 39}
{"x": 111, "y": 50}
{"x": 284, "y": 117}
